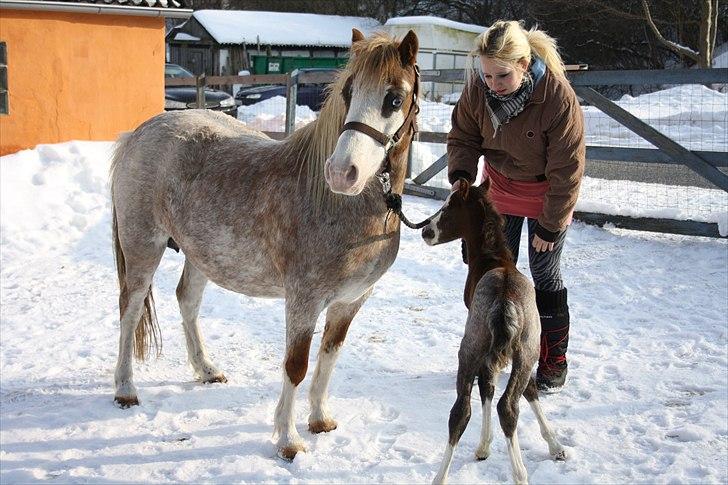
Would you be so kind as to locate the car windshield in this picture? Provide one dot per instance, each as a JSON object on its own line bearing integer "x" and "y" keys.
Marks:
{"x": 173, "y": 70}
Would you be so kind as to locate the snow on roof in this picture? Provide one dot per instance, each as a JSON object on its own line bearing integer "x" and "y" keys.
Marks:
{"x": 281, "y": 28}
{"x": 427, "y": 20}
{"x": 185, "y": 36}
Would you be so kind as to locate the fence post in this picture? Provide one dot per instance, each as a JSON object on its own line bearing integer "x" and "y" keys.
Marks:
{"x": 291, "y": 96}
{"x": 200, "y": 82}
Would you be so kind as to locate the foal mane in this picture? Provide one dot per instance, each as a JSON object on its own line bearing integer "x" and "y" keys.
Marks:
{"x": 373, "y": 62}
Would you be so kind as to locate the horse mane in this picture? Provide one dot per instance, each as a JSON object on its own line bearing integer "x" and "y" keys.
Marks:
{"x": 494, "y": 241}
{"x": 372, "y": 62}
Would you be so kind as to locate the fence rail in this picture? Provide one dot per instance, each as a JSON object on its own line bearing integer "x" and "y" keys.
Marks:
{"x": 704, "y": 162}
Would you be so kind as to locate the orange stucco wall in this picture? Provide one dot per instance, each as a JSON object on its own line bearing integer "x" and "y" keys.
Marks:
{"x": 79, "y": 76}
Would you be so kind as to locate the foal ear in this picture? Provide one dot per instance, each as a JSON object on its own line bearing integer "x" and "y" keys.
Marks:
{"x": 408, "y": 49}
{"x": 464, "y": 189}
{"x": 356, "y": 36}
{"x": 485, "y": 184}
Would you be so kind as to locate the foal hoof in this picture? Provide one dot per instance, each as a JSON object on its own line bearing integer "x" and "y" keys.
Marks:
{"x": 217, "y": 378}
{"x": 289, "y": 452}
{"x": 322, "y": 426}
{"x": 560, "y": 456}
{"x": 126, "y": 402}
{"x": 482, "y": 453}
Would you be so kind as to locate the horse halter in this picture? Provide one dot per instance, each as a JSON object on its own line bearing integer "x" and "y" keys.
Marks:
{"x": 393, "y": 201}
{"x": 389, "y": 142}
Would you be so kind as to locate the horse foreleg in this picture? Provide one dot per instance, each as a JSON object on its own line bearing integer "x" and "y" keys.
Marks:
{"x": 189, "y": 295}
{"x": 338, "y": 319}
{"x": 300, "y": 324}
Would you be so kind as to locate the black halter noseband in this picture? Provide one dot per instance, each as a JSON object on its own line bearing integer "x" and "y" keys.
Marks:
{"x": 393, "y": 200}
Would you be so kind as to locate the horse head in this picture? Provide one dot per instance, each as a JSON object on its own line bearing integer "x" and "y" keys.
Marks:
{"x": 381, "y": 108}
{"x": 467, "y": 211}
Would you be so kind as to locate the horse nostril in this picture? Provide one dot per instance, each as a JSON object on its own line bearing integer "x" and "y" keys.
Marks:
{"x": 351, "y": 174}
{"x": 428, "y": 233}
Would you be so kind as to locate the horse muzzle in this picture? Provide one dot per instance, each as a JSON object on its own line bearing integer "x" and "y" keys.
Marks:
{"x": 343, "y": 178}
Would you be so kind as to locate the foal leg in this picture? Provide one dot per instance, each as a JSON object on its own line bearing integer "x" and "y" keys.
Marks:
{"x": 300, "y": 323}
{"x": 140, "y": 266}
{"x": 189, "y": 295}
{"x": 508, "y": 416}
{"x": 338, "y": 319}
{"x": 486, "y": 386}
{"x": 555, "y": 449}
{"x": 460, "y": 412}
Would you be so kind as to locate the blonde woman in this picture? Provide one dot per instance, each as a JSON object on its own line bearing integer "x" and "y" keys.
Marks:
{"x": 519, "y": 112}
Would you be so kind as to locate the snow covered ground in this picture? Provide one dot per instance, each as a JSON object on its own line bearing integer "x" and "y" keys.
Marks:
{"x": 647, "y": 400}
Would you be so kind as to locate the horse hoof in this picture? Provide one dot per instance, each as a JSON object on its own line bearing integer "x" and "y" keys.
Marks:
{"x": 322, "y": 426}
{"x": 126, "y": 402}
{"x": 481, "y": 455}
{"x": 560, "y": 456}
{"x": 288, "y": 453}
{"x": 218, "y": 378}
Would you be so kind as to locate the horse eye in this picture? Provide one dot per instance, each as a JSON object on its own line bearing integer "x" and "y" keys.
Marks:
{"x": 397, "y": 102}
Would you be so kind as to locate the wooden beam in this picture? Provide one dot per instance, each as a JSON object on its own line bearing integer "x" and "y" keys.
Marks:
{"x": 673, "y": 149}
{"x": 651, "y": 224}
{"x": 431, "y": 171}
{"x": 654, "y": 76}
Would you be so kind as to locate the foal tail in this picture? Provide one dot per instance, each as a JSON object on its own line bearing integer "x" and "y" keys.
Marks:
{"x": 147, "y": 333}
{"x": 503, "y": 320}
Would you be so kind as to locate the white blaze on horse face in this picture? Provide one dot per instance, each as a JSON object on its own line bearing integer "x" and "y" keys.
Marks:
{"x": 357, "y": 156}
{"x": 431, "y": 233}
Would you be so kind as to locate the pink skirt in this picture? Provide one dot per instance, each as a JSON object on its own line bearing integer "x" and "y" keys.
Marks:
{"x": 515, "y": 197}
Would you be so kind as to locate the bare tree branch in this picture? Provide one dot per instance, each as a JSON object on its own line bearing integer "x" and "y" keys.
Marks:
{"x": 671, "y": 45}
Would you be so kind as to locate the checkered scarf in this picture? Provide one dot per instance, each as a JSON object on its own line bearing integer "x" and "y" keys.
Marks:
{"x": 502, "y": 108}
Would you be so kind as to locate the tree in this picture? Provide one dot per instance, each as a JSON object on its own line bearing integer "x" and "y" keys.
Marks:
{"x": 706, "y": 38}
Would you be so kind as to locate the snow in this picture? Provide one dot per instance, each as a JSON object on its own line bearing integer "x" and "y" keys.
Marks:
{"x": 646, "y": 401}
{"x": 428, "y": 20}
{"x": 279, "y": 28}
{"x": 647, "y": 398}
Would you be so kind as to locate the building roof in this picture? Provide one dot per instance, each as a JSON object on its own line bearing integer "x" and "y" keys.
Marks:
{"x": 282, "y": 28}
{"x": 156, "y": 8}
{"x": 427, "y": 20}
{"x": 128, "y": 3}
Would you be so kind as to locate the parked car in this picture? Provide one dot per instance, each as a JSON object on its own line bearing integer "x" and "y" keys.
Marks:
{"x": 185, "y": 97}
{"x": 311, "y": 95}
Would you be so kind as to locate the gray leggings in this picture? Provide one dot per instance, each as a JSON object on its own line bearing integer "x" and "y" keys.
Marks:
{"x": 545, "y": 266}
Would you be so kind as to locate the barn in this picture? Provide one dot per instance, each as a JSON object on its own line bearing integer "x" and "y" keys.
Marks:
{"x": 80, "y": 69}
{"x": 223, "y": 42}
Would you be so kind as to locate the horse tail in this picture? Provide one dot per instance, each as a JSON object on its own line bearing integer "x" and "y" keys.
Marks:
{"x": 504, "y": 328}
{"x": 147, "y": 333}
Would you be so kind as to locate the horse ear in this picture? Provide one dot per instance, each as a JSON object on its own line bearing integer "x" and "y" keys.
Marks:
{"x": 356, "y": 36}
{"x": 408, "y": 48}
{"x": 485, "y": 184}
{"x": 464, "y": 188}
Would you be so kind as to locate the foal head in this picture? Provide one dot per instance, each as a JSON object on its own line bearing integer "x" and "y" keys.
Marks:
{"x": 468, "y": 214}
{"x": 378, "y": 92}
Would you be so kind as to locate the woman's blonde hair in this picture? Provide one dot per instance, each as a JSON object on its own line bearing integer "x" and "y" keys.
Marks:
{"x": 508, "y": 41}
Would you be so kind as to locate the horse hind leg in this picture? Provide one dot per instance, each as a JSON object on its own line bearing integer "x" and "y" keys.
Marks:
{"x": 338, "y": 319}
{"x": 189, "y": 296}
{"x": 486, "y": 386}
{"x": 555, "y": 449}
{"x": 508, "y": 416}
{"x": 470, "y": 357}
{"x": 136, "y": 307}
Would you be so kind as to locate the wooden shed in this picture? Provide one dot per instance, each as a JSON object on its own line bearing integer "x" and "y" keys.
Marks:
{"x": 80, "y": 69}
{"x": 223, "y": 42}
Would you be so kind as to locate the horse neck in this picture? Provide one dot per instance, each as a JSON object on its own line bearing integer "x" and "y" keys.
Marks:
{"x": 486, "y": 250}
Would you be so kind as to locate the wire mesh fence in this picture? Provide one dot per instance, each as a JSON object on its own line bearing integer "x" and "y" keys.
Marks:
{"x": 693, "y": 115}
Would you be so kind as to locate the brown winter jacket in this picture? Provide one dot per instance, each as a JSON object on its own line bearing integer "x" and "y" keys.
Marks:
{"x": 545, "y": 139}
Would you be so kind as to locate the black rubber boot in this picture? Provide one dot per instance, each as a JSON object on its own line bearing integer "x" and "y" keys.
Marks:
{"x": 552, "y": 366}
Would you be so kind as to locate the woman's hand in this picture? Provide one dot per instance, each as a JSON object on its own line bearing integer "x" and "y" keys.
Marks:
{"x": 540, "y": 245}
